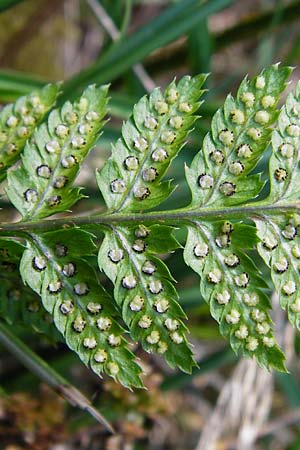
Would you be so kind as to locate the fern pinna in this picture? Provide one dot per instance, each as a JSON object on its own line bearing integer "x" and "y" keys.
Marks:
{"x": 223, "y": 221}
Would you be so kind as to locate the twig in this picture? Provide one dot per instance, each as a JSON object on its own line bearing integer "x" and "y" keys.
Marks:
{"x": 107, "y": 23}
{"x": 41, "y": 369}
{"x": 271, "y": 428}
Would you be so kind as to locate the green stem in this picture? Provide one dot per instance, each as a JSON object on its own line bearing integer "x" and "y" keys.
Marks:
{"x": 41, "y": 369}
{"x": 172, "y": 217}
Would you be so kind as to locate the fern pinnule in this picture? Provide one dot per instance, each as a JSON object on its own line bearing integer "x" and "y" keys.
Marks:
{"x": 279, "y": 243}
{"x": 233, "y": 287}
{"x": 144, "y": 290}
{"x": 43, "y": 184}
{"x": 131, "y": 178}
{"x": 53, "y": 266}
{"x": 279, "y": 247}
{"x": 18, "y": 122}
{"x": 19, "y": 305}
{"x": 240, "y": 133}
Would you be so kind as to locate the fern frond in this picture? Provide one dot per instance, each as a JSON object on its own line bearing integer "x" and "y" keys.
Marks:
{"x": 232, "y": 285}
{"x": 43, "y": 184}
{"x": 240, "y": 133}
{"x": 136, "y": 241}
{"x": 19, "y": 120}
{"x": 18, "y": 304}
{"x": 131, "y": 178}
{"x": 53, "y": 266}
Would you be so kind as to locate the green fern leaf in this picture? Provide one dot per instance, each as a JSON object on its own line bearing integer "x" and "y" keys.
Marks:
{"x": 280, "y": 248}
{"x": 279, "y": 241}
{"x": 240, "y": 132}
{"x": 50, "y": 163}
{"x": 18, "y": 122}
{"x": 53, "y": 266}
{"x": 131, "y": 178}
{"x": 144, "y": 290}
{"x": 232, "y": 286}
{"x": 284, "y": 161}
{"x": 18, "y": 304}
{"x": 130, "y": 181}
{"x": 136, "y": 242}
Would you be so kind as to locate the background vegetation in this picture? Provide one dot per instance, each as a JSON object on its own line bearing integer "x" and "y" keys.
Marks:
{"x": 135, "y": 45}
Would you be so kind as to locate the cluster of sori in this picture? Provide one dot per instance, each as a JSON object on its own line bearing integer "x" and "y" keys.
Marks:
{"x": 51, "y": 161}
{"x": 284, "y": 159}
{"x": 18, "y": 122}
{"x": 160, "y": 133}
{"x": 280, "y": 249}
{"x": 82, "y": 310}
{"x": 234, "y": 294}
{"x": 150, "y": 140}
{"x": 144, "y": 290}
{"x": 67, "y": 138}
{"x": 240, "y": 132}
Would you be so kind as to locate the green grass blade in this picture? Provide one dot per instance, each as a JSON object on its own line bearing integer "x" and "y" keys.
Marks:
{"x": 13, "y": 84}
{"x": 200, "y": 48}
{"x": 168, "y": 26}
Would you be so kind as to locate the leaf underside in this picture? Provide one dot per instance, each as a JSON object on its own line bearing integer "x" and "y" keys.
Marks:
{"x": 220, "y": 174}
{"x": 53, "y": 266}
{"x": 131, "y": 180}
{"x": 42, "y": 185}
{"x": 279, "y": 239}
{"x": 19, "y": 305}
{"x": 233, "y": 287}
